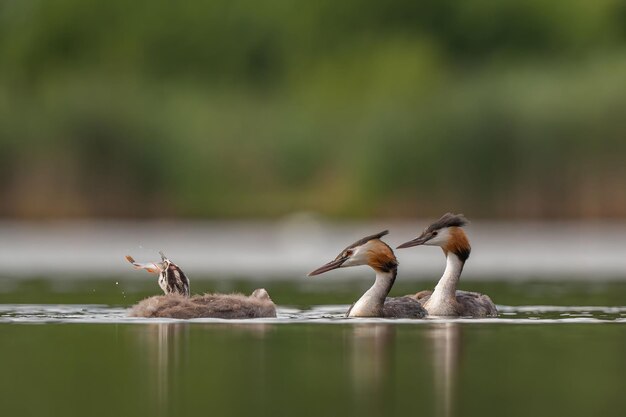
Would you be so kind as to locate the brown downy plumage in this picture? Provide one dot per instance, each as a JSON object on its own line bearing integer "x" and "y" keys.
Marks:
{"x": 176, "y": 303}
{"x": 224, "y": 306}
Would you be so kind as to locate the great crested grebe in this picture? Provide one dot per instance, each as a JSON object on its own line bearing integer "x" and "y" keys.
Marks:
{"x": 172, "y": 280}
{"x": 374, "y": 303}
{"x": 445, "y": 300}
{"x": 176, "y": 303}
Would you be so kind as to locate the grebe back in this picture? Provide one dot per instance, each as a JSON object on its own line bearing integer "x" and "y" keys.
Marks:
{"x": 176, "y": 303}
{"x": 445, "y": 300}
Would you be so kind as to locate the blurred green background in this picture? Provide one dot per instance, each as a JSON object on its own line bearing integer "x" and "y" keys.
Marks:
{"x": 241, "y": 108}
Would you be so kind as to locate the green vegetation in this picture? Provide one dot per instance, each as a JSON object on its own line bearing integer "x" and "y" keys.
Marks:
{"x": 353, "y": 108}
{"x": 126, "y": 291}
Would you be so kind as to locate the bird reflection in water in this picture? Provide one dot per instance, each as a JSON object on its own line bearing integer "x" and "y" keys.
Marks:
{"x": 165, "y": 348}
{"x": 372, "y": 366}
{"x": 370, "y": 356}
{"x": 445, "y": 343}
{"x": 162, "y": 346}
{"x": 371, "y": 361}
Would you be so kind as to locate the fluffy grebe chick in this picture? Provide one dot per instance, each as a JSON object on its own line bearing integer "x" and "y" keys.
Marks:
{"x": 445, "y": 300}
{"x": 172, "y": 280}
{"x": 176, "y": 303}
{"x": 374, "y": 303}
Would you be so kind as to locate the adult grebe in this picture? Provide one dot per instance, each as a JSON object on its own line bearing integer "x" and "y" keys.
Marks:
{"x": 374, "y": 303}
{"x": 176, "y": 303}
{"x": 445, "y": 300}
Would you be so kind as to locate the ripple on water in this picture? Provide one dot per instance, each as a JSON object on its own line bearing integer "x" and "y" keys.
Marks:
{"x": 92, "y": 313}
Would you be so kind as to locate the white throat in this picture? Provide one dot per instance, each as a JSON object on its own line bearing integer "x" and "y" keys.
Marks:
{"x": 371, "y": 303}
{"x": 442, "y": 302}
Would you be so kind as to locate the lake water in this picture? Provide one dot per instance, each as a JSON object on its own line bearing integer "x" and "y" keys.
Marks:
{"x": 67, "y": 348}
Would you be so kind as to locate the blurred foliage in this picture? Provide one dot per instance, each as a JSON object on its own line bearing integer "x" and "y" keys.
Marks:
{"x": 353, "y": 108}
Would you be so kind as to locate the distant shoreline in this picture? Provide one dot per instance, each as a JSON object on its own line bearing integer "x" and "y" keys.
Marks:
{"x": 289, "y": 249}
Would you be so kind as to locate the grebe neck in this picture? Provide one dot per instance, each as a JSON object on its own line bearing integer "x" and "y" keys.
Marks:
{"x": 371, "y": 303}
{"x": 443, "y": 297}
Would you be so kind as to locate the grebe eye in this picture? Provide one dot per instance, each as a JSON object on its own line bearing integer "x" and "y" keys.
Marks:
{"x": 435, "y": 233}
{"x": 348, "y": 253}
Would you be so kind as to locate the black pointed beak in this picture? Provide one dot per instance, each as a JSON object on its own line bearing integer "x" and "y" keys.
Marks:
{"x": 415, "y": 242}
{"x": 328, "y": 267}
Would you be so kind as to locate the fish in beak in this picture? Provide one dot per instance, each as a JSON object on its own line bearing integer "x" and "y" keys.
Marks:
{"x": 152, "y": 267}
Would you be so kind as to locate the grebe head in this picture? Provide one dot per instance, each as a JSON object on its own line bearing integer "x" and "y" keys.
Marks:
{"x": 165, "y": 262}
{"x": 261, "y": 293}
{"x": 367, "y": 251}
{"x": 171, "y": 277}
{"x": 447, "y": 233}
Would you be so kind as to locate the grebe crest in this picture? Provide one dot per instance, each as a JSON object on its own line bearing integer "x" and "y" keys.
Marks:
{"x": 445, "y": 300}
{"x": 367, "y": 251}
{"x": 379, "y": 256}
{"x": 446, "y": 233}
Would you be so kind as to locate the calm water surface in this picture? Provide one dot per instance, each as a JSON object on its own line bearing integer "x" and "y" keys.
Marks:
{"x": 550, "y": 354}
